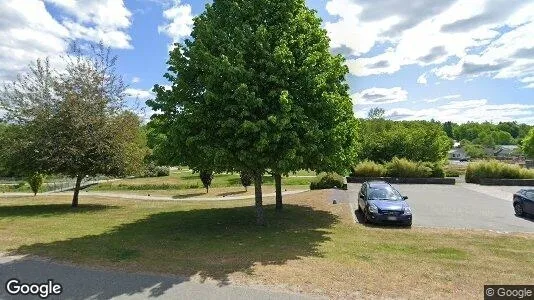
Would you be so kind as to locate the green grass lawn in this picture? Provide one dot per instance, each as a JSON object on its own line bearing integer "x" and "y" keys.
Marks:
{"x": 182, "y": 180}
{"x": 311, "y": 246}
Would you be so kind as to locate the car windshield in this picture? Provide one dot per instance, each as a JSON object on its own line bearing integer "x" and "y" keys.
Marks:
{"x": 384, "y": 193}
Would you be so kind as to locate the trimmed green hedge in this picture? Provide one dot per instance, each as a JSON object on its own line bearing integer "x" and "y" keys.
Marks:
{"x": 327, "y": 181}
{"x": 399, "y": 167}
{"x": 497, "y": 170}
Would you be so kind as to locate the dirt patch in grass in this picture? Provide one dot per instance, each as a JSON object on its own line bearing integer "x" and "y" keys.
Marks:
{"x": 312, "y": 246}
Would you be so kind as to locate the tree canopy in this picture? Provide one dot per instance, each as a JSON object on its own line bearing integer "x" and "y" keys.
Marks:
{"x": 256, "y": 89}
{"x": 488, "y": 134}
{"x": 382, "y": 140}
{"x": 528, "y": 144}
{"x": 72, "y": 121}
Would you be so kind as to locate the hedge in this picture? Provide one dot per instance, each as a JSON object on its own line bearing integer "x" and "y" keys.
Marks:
{"x": 327, "y": 181}
{"x": 369, "y": 169}
{"x": 495, "y": 170}
{"x": 401, "y": 168}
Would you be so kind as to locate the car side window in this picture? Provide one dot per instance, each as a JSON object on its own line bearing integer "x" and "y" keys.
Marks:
{"x": 529, "y": 194}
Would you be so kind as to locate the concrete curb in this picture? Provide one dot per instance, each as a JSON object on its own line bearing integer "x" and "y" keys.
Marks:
{"x": 397, "y": 180}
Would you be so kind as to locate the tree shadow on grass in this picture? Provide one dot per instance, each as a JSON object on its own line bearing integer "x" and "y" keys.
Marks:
{"x": 188, "y": 195}
{"x": 231, "y": 193}
{"x": 49, "y": 209}
{"x": 209, "y": 243}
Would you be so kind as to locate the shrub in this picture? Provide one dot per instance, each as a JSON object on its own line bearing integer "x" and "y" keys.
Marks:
{"x": 206, "y": 177}
{"x": 437, "y": 169}
{"x": 156, "y": 171}
{"x": 246, "y": 179}
{"x": 327, "y": 181}
{"x": 452, "y": 173}
{"x": 162, "y": 171}
{"x": 36, "y": 181}
{"x": 495, "y": 169}
{"x": 369, "y": 169}
{"x": 407, "y": 169}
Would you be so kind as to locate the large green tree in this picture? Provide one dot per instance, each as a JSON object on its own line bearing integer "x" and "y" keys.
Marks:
{"x": 72, "y": 121}
{"x": 414, "y": 140}
{"x": 528, "y": 144}
{"x": 257, "y": 90}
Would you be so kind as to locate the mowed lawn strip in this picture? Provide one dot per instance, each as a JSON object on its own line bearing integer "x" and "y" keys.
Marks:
{"x": 185, "y": 180}
{"x": 312, "y": 246}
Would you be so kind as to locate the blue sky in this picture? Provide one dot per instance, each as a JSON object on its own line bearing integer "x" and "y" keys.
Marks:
{"x": 459, "y": 60}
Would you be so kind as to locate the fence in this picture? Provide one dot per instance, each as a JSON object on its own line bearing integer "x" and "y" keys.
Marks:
{"x": 57, "y": 184}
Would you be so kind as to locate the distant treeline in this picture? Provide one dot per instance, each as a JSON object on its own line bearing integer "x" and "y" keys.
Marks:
{"x": 488, "y": 134}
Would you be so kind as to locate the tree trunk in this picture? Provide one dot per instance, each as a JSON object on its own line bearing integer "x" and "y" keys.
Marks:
{"x": 77, "y": 190}
{"x": 207, "y": 190}
{"x": 260, "y": 217}
{"x": 278, "y": 188}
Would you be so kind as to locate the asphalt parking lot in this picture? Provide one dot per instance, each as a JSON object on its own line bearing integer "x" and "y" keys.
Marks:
{"x": 462, "y": 205}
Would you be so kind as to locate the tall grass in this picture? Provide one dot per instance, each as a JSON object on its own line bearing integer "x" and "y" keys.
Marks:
{"x": 369, "y": 169}
{"x": 495, "y": 169}
{"x": 399, "y": 167}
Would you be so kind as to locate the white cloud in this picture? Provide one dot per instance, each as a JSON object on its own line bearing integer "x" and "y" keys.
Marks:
{"x": 28, "y": 30}
{"x": 466, "y": 111}
{"x": 136, "y": 79}
{"x": 448, "y": 97}
{"x": 377, "y": 96}
{"x": 434, "y": 33}
{"x": 180, "y": 21}
{"x": 422, "y": 79}
{"x": 104, "y": 13}
{"x": 139, "y": 93}
{"x": 97, "y": 20}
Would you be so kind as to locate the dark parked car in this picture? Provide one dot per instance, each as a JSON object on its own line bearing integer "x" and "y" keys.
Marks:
{"x": 524, "y": 202}
{"x": 379, "y": 202}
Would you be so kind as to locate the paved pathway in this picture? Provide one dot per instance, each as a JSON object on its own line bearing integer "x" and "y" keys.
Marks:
{"x": 152, "y": 198}
{"x": 85, "y": 283}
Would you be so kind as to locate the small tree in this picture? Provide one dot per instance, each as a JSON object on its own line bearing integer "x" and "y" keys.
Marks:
{"x": 35, "y": 181}
{"x": 376, "y": 113}
{"x": 246, "y": 179}
{"x": 206, "y": 177}
{"x": 73, "y": 121}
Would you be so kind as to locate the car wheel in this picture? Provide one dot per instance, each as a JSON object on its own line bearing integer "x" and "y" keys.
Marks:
{"x": 408, "y": 225}
{"x": 364, "y": 217}
{"x": 518, "y": 209}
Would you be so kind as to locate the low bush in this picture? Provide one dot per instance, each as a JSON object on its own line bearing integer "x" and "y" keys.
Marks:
{"x": 437, "y": 169}
{"x": 452, "y": 173}
{"x": 156, "y": 171}
{"x": 495, "y": 170}
{"x": 369, "y": 169}
{"x": 401, "y": 167}
{"x": 327, "y": 181}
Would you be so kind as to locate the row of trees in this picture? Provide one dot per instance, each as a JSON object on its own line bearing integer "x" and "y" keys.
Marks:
{"x": 255, "y": 90}
{"x": 381, "y": 140}
{"x": 487, "y": 134}
{"x": 70, "y": 121}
